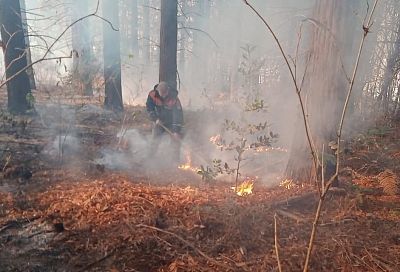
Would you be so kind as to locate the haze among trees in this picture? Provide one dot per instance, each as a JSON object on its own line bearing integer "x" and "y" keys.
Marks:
{"x": 291, "y": 125}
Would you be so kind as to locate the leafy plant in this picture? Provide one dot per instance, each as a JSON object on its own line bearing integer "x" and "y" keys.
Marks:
{"x": 209, "y": 174}
{"x": 250, "y": 65}
{"x": 238, "y": 137}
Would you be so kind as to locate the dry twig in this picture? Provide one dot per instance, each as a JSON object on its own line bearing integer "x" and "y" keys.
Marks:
{"x": 276, "y": 244}
{"x": 201, "y": 253}
{"x": 108, "y": 255}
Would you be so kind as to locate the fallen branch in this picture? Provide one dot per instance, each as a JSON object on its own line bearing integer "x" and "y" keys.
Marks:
{"x": 291, "y": 216}
{"x": 276, "y": 244}
{"x": 381, "y": 264}
{"x": 17, "y": 223}
{"x": 108, "y": 255}
{"x": 201, "y": 253}
{"x": 295, "y": 199}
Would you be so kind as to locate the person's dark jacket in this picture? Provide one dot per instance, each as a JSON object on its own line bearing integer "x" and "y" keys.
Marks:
{"x": 168, "y": 110}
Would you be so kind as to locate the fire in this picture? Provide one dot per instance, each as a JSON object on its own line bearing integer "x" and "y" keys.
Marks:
{"x": 188, "y": 165}
{"x": 288, "y": 184}
{"x": 246, "y": 188}
{"x": 267, "y": 149}
{"x": 184, "y": 166}
{"x": 217, "y": 141}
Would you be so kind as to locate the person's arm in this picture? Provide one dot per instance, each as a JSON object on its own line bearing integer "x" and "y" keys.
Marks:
{"x": 151, "y": 109}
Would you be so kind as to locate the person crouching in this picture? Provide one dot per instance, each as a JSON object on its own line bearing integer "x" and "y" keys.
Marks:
{"x": 165, "y": 110}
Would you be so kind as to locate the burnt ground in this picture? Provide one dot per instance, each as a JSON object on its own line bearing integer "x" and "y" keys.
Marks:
{"x": 79, "y": 215}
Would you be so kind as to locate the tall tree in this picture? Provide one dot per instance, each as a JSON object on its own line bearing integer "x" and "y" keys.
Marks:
{"x": 392, "y": 51}
{"x": 81, "y": 45}
{"x": 112, "y": 57}
{"x": 146, "y": 32}
{"x": 30, "y": 71}
{"x": 14, "y": 48}
{"x": 168, "y": 41}
{"x": 332, "y": 45}
{"x": 134, "y": 27}
{"x": 183, "y": 33}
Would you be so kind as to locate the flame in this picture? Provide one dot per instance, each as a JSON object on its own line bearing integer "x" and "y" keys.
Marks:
{"x": 246, "y": 188}
{"x": 188, "y": 165}
{"x": 288, "y": 184}
{"x": 217, "y": 141}
{"x": 267, "y": 149}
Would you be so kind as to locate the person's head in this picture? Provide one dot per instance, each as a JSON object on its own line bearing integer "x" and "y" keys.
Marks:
{"x": 163, "y": 89}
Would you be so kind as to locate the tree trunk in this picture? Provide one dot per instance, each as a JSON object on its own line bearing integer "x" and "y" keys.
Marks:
{"x": 146, "y": 33}
{"x": 112, "y": 57}
{"x": 331, "y": 48}
{"x": 168, "y": 41}
{"x": 386, "y": 93}
{"x": 14, "y": 48}
{"x": 81, "y": 45}
{"x": 30, "y": 70}
{"x": 183, "y": 36}
{"x": 134, "y": 28}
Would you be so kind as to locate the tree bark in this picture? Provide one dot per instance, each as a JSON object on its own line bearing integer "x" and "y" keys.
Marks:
{"x": 183, "y": 35}
{"x": 30, "y": 70}
{"x": 81, "y": 45}
{"x": 134, "y": 28}
{"x": 146, "y": 46}
{"x": 331, "y": 48}
{"x": 112, "y": 57}
{"x": 386, "y": 93}
{"x": 14, "y": 48}
{"x": 168, "y": 41}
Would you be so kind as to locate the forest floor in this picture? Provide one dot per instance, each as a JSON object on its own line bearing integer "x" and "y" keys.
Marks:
{"x": 80, "y": 215}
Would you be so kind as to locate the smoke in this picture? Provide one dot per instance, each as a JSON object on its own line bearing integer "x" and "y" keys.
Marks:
{"x": 137, "y": 147}
{"x": 226, "y": 58}
{"x": 63, "y": 145}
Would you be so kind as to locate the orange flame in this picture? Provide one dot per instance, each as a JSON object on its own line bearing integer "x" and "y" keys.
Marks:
{"x": 267, "y": 149}
{"x": 215, "y": 139}
{"x": 188, "y": 165}
{"x": 288, "y": 184}
{"x": 246, "y": 188}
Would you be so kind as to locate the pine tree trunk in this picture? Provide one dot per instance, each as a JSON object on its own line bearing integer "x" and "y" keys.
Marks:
{"x": 386, "y": 93}
{"x": 112, "y": 57}
{"x": 183, "y": 37}
{"x": 168, "y": 41}
{"x": 12, "y": 33}
{"x": 30, "y": 70}
{"x": 332, "y": 46}
{"x": 146, "y": 33}
{"x": 82, "y": 49}
{"x": 134, "y": 28}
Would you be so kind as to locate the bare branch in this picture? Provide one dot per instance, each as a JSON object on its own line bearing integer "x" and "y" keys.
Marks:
{"x": 276, "y": 244}
{"x": 44, "y": 57}
{"x": 366, "y": 28}
{"x": 204, "y": 32}
{"x": 297, "y": 88}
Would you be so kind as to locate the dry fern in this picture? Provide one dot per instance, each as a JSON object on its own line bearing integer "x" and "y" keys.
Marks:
{"x": 389, "y": 182}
